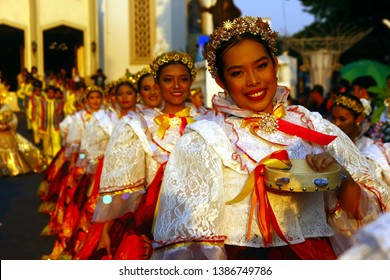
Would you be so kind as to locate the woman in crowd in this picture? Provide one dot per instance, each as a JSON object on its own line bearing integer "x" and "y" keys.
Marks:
{"x": 69, "y": 184}
{"x": 110, "y": 98}
{"x": 351, "y": 115}
{"x": 93, "y": 145}
{"x": 197, "y": 99}
{"x": 129, "y": 183}
{"x": 213, "y": 202}
{"x": 149, "y": 94}
{"x": 17, "y": 155}
{"x": 58, "y": 167}
{"x": 76, "y": 188}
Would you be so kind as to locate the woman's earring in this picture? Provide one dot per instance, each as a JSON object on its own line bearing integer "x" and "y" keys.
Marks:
{"x": 358, "y": 124}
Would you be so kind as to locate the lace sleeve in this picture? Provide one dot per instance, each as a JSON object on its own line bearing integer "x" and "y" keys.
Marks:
{"x": 123, "y": 176}
{"x": 373, "y": 190}
{"x": 191, "y": 203}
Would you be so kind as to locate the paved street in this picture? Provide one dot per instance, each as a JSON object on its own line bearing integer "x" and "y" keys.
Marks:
{"x": 20, "y": 223}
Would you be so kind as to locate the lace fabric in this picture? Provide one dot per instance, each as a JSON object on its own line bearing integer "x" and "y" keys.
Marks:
{"x": 372, "y": 242}
{"x": 193, "y": 195}
{"x": 94, "y": 139}
{"x": 127, "y": 163}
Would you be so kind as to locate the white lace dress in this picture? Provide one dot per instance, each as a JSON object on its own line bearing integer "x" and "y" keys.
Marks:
{"x": 211, "y": 163}
{"x": 125, "y": 169}
{"x": 94, "y": 139}
{"x": 378, "y": 154}
{"x": 133, "y": 156}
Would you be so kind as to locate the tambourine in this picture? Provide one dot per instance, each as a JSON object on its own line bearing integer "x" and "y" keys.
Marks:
{"x": 302, "y": 178}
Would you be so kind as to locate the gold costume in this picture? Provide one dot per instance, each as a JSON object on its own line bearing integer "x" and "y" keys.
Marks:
{"x": 17, "y": 154}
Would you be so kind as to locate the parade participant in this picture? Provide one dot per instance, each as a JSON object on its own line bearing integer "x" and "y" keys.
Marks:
{"x": 34, "y": 111}
{"x": 27, "y": 89}
{"x": 52, "y": 114}
{"x": 17, "y": 155}
{"x": 350, "y": 114}
{"x": 22, "y": 85}
{"x": 68, "y": 185}
{"x": 110, "y": 97}
{"x": 94, "y": 136}
{"x": 213, "y": 201}
{"x": 149, "y": 94}
{"x": 125, "y": 98}
{"x": 126, "y": 231}
{"x": 93, "y": 145}
{"x": 58, "y": 168}
{"x": 197, "y": 99}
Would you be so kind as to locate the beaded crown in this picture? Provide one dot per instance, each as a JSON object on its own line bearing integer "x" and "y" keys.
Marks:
{"x": 348, "y": 103}
{"x": 144, "y": 71}
{"x": 229, "y": 29}
{"x": 93, "y": 88}
{"x": 195, "y": 91}
{"x": 173, "y": 56}
{"x": 111, "y": 85}
{"x": 127, "y": 79}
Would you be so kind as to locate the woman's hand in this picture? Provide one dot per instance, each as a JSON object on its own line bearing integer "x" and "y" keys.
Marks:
{"x": 320, "y": 162}
{"x": 349, "y": 192}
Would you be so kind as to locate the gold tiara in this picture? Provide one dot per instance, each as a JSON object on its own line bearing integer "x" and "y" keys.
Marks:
{"x": 110, "y": 85}
{"x": 195, "y": 91}
{"x": 173, "y": 56}
{"x": 349, "y": 104}
{"x": 144, "y": 71}
{"x": 229, "y": 29}
{"x": 94, "y": 88}
{"x": 127, "y": 79}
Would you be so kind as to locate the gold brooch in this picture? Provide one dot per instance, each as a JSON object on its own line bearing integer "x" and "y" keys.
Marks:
{"x": 267, "y": 123}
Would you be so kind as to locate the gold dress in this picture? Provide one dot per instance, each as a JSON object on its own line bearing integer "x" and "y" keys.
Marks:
{"x": 17, "y": 154}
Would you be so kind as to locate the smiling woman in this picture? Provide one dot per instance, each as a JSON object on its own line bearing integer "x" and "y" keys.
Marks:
{"x": 213, "y": 195}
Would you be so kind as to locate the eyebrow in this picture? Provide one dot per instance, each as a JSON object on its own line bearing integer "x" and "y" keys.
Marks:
{"x": 170, "y": 75}
{"x": 255, "y": 62}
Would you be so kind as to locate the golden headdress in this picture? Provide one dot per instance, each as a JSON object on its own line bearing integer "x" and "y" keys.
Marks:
{"x": 229, "y": 29}
{"x": 93, "y": 88}
{"x": 173, "y": 56}
{"x": 110, "y": 86}
{"x": 349, "y": 102}
{"x": 127, "y": 79}
{"x": 195, "y": 91}
{"x": 141, "y": 73}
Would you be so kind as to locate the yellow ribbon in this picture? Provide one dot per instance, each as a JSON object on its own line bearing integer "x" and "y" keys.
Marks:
{"x": 255, "y": 185}
{"x": 181, "y": 119}
{"x": 269, "y": 161}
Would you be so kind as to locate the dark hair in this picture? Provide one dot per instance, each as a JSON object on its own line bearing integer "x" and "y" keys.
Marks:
{"x": 51, "y": 87}
{"x": 37, "y": 84}
{"x": 171, "y": 63}
{"x": 318, "y": 88}
{"x": 348, "y": 102}
{"x": 125, "y": 82}
{"x": 364, "y": 82}
{"x": 139, "y": 83}
{"x": 225, "y": 46}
